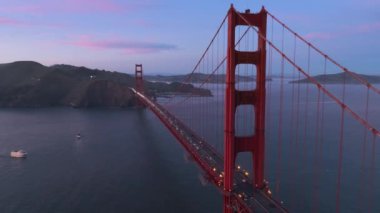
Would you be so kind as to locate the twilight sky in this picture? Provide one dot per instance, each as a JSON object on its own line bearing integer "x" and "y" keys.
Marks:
{"x": 168, "y": 36}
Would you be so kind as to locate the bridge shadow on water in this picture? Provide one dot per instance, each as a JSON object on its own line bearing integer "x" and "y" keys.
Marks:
{"x": 173, "y": 182}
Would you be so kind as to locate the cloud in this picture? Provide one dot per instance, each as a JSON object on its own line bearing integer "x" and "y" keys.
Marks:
{"x": 126, "y": 46}
{"x": 364, "y": 28}
{"x": 21, "y": 9}
{"x": 366, "y": 3}
{"x": 68, "y": 6}
{"x": 142, "y": 23}
{"x": 9, "y": 21}
{"x": 73, "y": 7}
{"x": 20, "y": 23}
{"x": 367, "y": 28}
{"x": 86, "y": 6}
{"x": 320, "y": 36}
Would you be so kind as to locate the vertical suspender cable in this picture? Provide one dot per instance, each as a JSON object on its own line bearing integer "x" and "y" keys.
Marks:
{"x": 341, "y": 140}
{"x": 280, "y": 119}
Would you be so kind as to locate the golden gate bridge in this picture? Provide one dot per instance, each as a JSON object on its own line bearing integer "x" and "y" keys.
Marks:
{"x": 272, "y": 98}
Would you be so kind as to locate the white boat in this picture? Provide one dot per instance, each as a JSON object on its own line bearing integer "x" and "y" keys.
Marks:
{"x": 18, "y": 154}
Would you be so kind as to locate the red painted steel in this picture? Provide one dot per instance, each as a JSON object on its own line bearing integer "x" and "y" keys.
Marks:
{"x": 255, "y": 143}
{"x": 234, "y": 144}
{"x": 344, "y": 69}
{"x": 220, "y": 170}
{"x": 345, "y": 107}
{"x": 259, "y": 200}
{"x": 139, "y": 78}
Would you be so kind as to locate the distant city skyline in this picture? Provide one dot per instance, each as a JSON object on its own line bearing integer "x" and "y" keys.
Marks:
{"x": 168, "y": 36}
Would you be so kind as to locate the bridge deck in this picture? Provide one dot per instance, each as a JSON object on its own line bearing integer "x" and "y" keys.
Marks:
{"x": 211, "y": 162}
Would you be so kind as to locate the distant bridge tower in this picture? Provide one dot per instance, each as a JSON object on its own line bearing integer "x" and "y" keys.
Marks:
{"x": 139, "y": 78}
{"x": 234, "y": 144}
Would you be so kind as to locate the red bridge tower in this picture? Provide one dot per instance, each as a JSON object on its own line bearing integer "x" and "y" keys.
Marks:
{"x": 255, "y": 143}
{"x": 139, "y": 78}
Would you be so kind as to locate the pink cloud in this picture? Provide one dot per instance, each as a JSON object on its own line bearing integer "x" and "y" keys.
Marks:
{"x": 19, "y": 23}
{"x": 347, "y": 31}
{"x": 366, "y": 3}
{"x": 126, "y": 46}
{"x": 87, "y": 5}
{"x": 21, "y": 9}
{"x": 299, "y": 18}
{"x": 142, "y": 23}
{"x": 319, "y": 36}
{"x": 72, "y": 6}
{"x": 9, "y": 21}
{"x": 366, "y": 28}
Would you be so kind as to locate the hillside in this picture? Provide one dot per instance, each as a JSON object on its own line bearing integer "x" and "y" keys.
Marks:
{"x": 30, "y": 84}
{"x": 341, "y": 78}
{"x": 198, "y": 78}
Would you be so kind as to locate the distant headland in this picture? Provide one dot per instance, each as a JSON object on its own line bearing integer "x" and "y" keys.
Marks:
{"x": 198, "y": 78}
{"x": 341, "y": 78}
{"x": 31, "y": 84}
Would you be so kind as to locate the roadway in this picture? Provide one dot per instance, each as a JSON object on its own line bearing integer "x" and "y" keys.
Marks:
{"x": 211, "y": 162}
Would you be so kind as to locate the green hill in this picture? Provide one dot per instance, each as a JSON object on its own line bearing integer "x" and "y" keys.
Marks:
{"x": 30, "y": 84}
{"x": 341, "y": 78}
{"x": 199, "y": 78}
